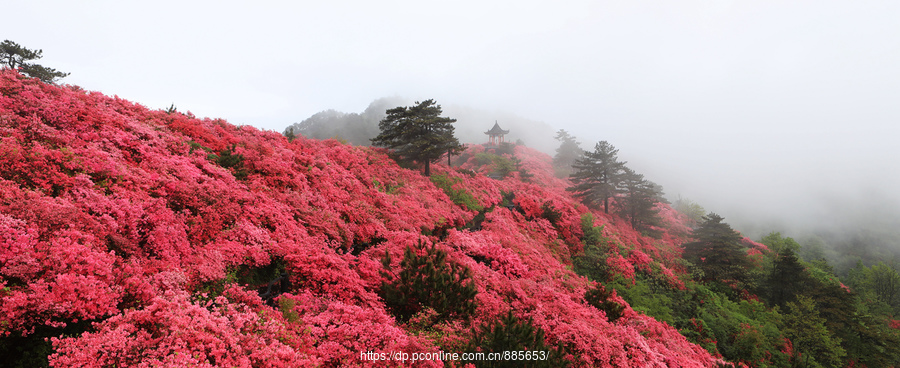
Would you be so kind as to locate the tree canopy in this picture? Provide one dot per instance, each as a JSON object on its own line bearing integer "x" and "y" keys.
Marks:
{"x": 568, "y": 151}
{"x": 638, "y": 203}
{"x": 418, "y": 133}
{"x": 597, "y": 175}
{"x": 717, "y": 251}
{"x": 14, "y": 56}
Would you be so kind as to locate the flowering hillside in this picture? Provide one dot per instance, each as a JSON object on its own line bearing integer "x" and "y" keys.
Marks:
{"x": 137, "y": 237}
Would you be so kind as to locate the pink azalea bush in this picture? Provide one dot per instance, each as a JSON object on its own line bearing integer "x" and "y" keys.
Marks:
{"x": 145, "y": 224}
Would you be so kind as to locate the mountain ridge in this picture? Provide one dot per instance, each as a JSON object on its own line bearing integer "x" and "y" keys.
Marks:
{"x": 147, "y": 224}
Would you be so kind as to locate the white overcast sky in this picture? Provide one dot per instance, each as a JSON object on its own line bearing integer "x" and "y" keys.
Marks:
{"x": 788, "y": 107}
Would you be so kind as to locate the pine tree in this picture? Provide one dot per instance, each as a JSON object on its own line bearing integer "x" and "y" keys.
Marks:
{"x": 599, "y": 296}
{"x": 718, "y": 251}
{"x": 818, "y": 347}
{"x": 289, "y": 134}
{"x": 13, "y": 55}
{"x": 597, "y": 175}
{"x": 509, "y": 335}
{"x": 787, "y": 278}
{"x": 418, "y": 133}
{"x": 638, "y": 204}
{"x": 430, "y": 281}
{"x": 568, "y": 152}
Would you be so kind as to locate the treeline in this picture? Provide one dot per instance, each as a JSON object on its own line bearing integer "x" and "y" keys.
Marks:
{"x": 603, "y": 182}
{"x": 760, "y": 304}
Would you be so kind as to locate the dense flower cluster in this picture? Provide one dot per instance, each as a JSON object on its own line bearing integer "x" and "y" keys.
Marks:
{"x": 148, "y": 223}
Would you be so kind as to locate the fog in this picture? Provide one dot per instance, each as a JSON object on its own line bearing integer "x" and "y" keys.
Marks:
{"x": 776, "y": 116}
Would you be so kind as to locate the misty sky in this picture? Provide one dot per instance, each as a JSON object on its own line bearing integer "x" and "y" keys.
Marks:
{"x": 771, "y": 109}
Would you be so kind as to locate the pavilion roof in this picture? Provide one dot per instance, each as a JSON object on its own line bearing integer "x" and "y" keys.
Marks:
{"x": 496, "y": 130}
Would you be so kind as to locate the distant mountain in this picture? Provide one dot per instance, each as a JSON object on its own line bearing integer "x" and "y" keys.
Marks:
{"x": 358, "y": 128}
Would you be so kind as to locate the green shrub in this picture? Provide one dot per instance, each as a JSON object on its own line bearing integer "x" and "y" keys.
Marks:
{"x": 428, "y": 281}
{"x": 509, "y": 334}
{"x": 598, "y": 297}
{"x": 460, "y": 196}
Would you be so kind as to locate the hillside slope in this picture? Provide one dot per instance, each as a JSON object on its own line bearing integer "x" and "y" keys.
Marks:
{"x": 134, "y": 237}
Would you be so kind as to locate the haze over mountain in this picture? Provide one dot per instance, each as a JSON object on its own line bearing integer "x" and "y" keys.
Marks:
{"x": 138, "y": 237}
{"x": 358, "y": 128}
{"x": 776, "y": 115}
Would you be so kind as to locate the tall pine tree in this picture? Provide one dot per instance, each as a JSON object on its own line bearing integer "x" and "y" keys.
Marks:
{"x": 568, "y": 151}
{"x": 418, "y": 133}
{"x": 597, "y": 175}
{"x": 638, "y": 203}
{"x": 787, "y": 279}
{"x": 717, "y": 250}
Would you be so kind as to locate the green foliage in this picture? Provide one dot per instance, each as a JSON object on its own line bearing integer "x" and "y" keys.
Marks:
{"x": 195, "y": 146}
{"x": 550, "y": 214}
{"x": 459, "y": 195}
{"x": 287, "y": 308}
{"x": 569, "y": 150}
{"x": 718, "y": 252}
{"x": 743, "y": 331}
{"x": 691, "y": 209}
{"x": 17, "y": 351}
{"x": 501, "y": 166}
{"x": 777, "y": 243}
{"x": 507, "y": 198}
{"x": 787, "y": 279}
{"x": 232, "y": 161}
{"x": 289, "y": 134}
{"x": 13, "y": 55}
{"x": 871, "y": 342}
{"x": 644, "y": 295}
{"x": 388, "y": 188}
{"x": 598, "y": 297}
{"x": 509, "y": 334}
{"x": 806, "y": 329}
{"x": 418, "y": 133}
{"x": 257, "y": 276}
{"x": 591, "y": 262}
{"x": 882, "y": 281}
{"x": 597, "y": 175}
{"x": 812, "y": 248}
{"x": 505, "y": 148}
{"x": 638, "y": 204}
{"x": 484, "y": 158}
{"x": 428, "y": 281}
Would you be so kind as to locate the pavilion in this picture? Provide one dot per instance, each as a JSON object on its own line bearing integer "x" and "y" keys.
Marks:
{"x": 496, "y": 134}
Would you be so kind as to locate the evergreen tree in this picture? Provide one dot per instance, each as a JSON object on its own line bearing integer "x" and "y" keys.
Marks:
{"x": 638, "y": 204}
{"x": 591, "y": 261}
{"x": 568, "y": 151}
{"x": 787, "y": 278}
{"x": 598, "y": 297}
{"x": 418, "y": 133}
{"x": 718, "y": 251}
{"x": 430, "y": 281}
{"x": 509, "y": 335}
{"x": 289, "y": 134}
{"x": 693, "y": 210}
{"x": 597, "y": 175}
{"x": 816, "y": 345}
{"x": 884, "y": 281}
{"x": 13, "y": 56}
